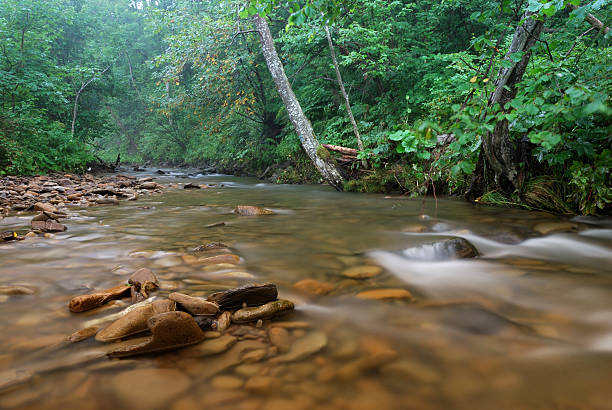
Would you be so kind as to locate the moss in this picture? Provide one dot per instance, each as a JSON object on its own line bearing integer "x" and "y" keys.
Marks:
{"x": 386, "y": 180}
{"x": 323, "y": 153}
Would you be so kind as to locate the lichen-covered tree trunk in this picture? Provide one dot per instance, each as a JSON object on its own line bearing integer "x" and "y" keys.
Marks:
{"x": 503, "y": 155}
{"x": 302, "y": 125}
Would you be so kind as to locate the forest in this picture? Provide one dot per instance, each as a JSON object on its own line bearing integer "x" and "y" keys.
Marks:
{"x": 503, "y": 102}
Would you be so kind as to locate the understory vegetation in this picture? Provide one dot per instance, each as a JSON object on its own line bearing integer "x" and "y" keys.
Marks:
{"x": 441, "y": 101}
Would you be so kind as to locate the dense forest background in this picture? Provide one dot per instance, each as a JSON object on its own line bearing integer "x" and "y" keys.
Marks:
{"x": 185, "y": 83}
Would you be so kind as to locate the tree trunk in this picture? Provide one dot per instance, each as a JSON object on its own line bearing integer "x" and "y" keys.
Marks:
{"x": 302, "y": 126}
{"x": 503, "y": 155}
{"x": 76, "y": 99}
{"x": 344, "y": 94}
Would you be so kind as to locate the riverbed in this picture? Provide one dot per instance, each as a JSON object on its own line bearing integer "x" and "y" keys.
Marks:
{"x": 526, "y": 324}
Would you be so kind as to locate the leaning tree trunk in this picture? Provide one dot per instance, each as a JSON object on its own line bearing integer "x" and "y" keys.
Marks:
{"x": 344, "y": 94}
{"x": 302, "y": 126}
{"x": 503, "y": 155}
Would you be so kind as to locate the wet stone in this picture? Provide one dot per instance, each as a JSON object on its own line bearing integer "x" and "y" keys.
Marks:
{"x": 304, "y": 347}
{"x": 385, "y": 294}
{"x": 150, "y": 388}
{"x": 362, "y": 272}
{"x": 245, "y": 210}
{"x": 48, "y": 226}
{"x": 194, "y": 305}
{"x": 314, "y": 286}
{"x": 270, "y": 309}
{"x": 219, "y": 259}
{"x": 251, "y": 295}
{"x": 83, "y": 334}
{"x": 87, "y": 302}
{"x": 226, "y": 382}
{"x": 170, "y": 330}
{"x": 214, "y": 346}
{"x": 280, "y": 338}
{"x": 16, "y": 290}
{"x": 547, "y": 228}
{"x": 143, "y": 281}
{"x": 135, "y": 321}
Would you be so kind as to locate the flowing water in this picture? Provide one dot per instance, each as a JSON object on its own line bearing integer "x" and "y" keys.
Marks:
{"x": 528, "y": 324}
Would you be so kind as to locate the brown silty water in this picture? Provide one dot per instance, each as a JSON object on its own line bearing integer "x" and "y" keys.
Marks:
{"x": 527, "y": 324}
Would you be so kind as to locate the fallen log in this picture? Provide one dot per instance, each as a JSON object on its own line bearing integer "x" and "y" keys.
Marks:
{"x": 343, "y": 150}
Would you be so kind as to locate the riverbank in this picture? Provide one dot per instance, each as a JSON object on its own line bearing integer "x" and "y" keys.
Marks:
{"x": 53, "y": 195}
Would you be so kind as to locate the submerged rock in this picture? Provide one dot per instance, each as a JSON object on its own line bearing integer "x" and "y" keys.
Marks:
{"x": 362, "y": 272}
{"x": 150, "y": 388}
{"x": 135, "y": 321}
{"x": 546, "y": 228}
{"x": 15, "y": 290}
{"x": 314, "y": 286}
{"x": 170, "y": 330}
{"x": 246, "y": 210}
{"x": 194, "y": 305}
{"x": 93, "y": 300}
{"x": 304, "y": 347}
{"x": 382, "y": 294}
{"x": 453, "y": 248}
{"x": 210, "y": 246}
{"x": 251, "y": 295}
{"x": 270, "y": 309}
{"x": 83, "y": 334}
{"x": 218, "y": 259}
{"x": 215, "y": 346}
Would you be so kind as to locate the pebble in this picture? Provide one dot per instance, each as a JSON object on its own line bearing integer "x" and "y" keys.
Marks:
{"x": 262, "y": 384}
{"x": 218, "y": 259}
{"x": 314, "y": 286}
{"x": 254, "y": 356}
{"x": 412, "y": 370}
{"x": 280, "y": 338}
{"x": 149, "y": 388}
{"x": 356, "y": 368}
{"x": 214, "y": 346}
{"x": 224, "y": 321}
{"x": 227, "y": 382}
{"x": 362, "y": 272}
{"x": 304, "y": 347}
{"x": 293, "y": 325}
{"x": 248, "y": 370}
{"x": 385, "y": 294}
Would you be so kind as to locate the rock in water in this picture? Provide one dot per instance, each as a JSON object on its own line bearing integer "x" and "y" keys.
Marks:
{"x": 246, "y": 210}
{"x": 453, "y": 248}
{"x": 171, "y": 330}
{"x": 83, "y": 334}
{"x": 135, "y": 321}
{"x": 40, "y": 206}
{"x": 193, "y": 305}
{"x": 191, "y": 186}
{"x": 15, "y": 290}
{"x": 150, "y": 388}
{"x": 314, "y": 286}
{"x": 362, "y": 272}
{"x": 382, "y": 294}
{"x": 304, "y": 347}
{"x": 266, "y": 311}
{"x": 143, "y": 281}
{"x": 204, "y": 322}
{"x": 8, "y": 236}
{"x": 48, "y": 226}
{"x": 218, "y": 259}
{"x": 547, "y": 228}
{"x": 252, "y": 295}
{"x": 93, "y": 300}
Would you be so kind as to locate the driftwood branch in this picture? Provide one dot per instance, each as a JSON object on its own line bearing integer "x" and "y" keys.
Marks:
{"x": 342, "y": 150}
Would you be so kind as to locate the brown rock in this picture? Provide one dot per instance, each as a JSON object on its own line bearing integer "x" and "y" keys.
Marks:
{"x": 314, "y": 286}
{"x": 194, "y": 305}
{"x": 107, "y": 201}
{"x": 546, "y": 228}
{"x": 362, "y": 272}
{"x": 40, "y": 206}
{"x": 358, "y": 367}
{"x": 214, "y": 346}
{"x": 135, "y": 321}
{"x": 93, "y": 300}
{"x": 262, "y": 384}
{"x": 150, "y": 388}
{"x": 246, "y": 210}
{"x": 224, "y": 321}
{"x": 48, "y": 226}
{"x": 251, "y": 295}
{"x": 148, "y": 185}
{"x": 171, "y": 330}
{"x": 280, "y": 338}
{"x": 270, "y": 309}
{"x": 304, "y": 347}
{"x": 83, "y": 334}
{"x": 382, "y": 294}
{"x": 16, "y": 290}
{"x": 143, "y": 281}
{"x": 227, "y": 382}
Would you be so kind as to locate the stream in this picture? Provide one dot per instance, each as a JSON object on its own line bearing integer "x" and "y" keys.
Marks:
{"x": 527, "y": 324}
